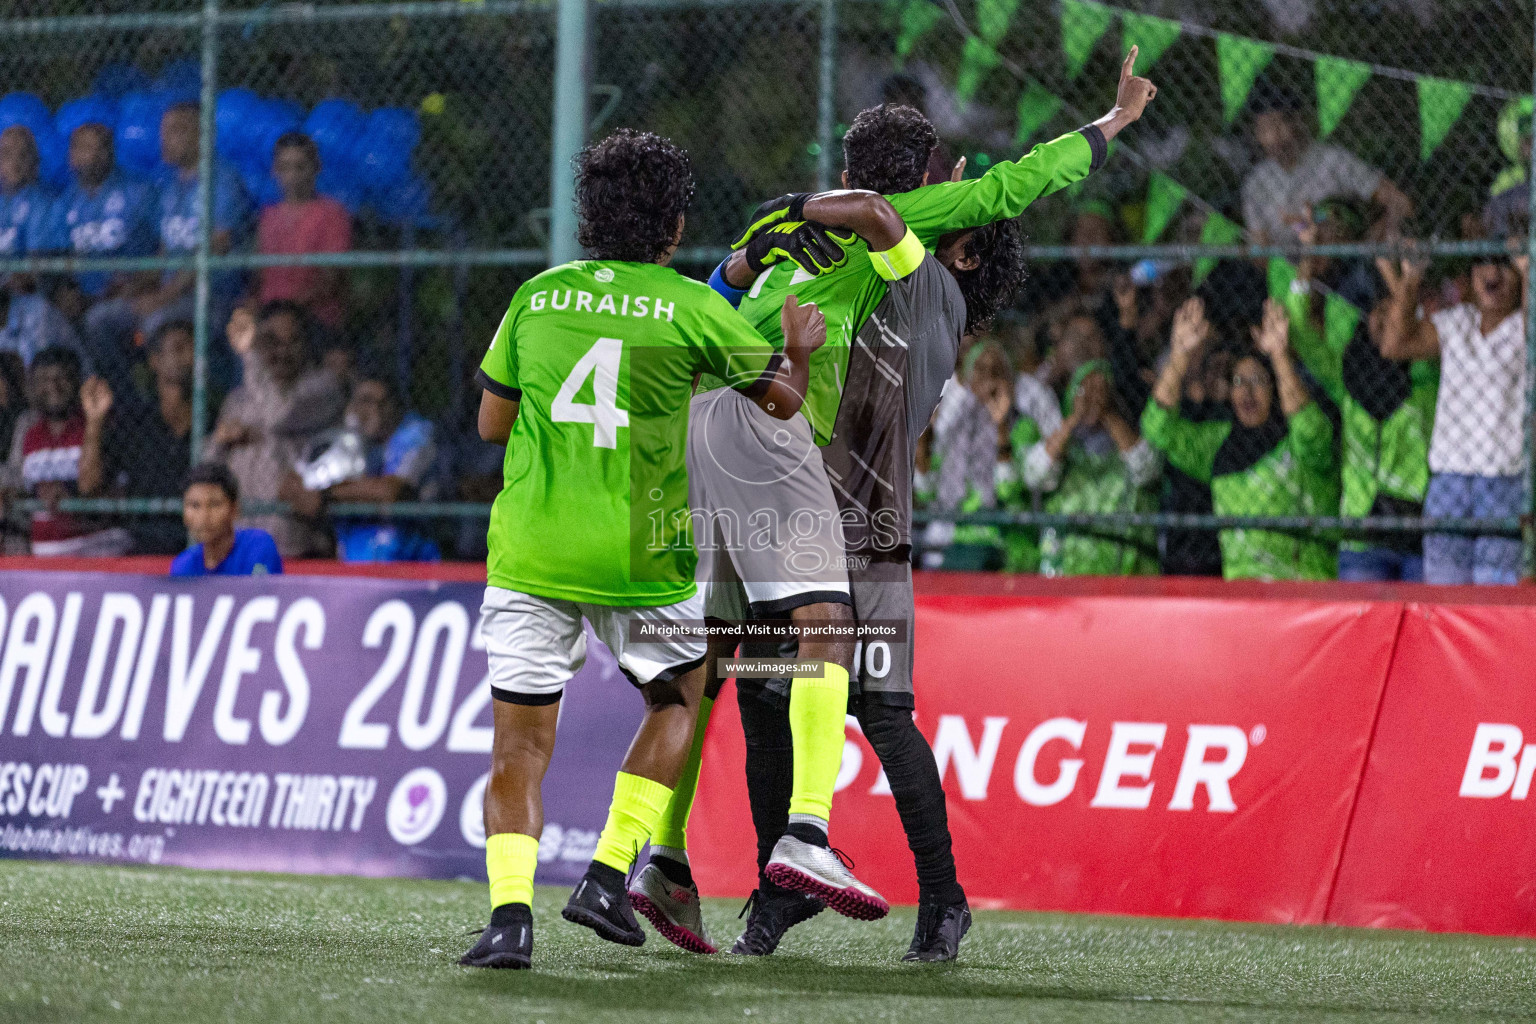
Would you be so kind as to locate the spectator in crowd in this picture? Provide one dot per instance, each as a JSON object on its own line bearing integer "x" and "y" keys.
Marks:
{"x": 1274, "y": 457}
{"x": 970, "y": 456}
{"x": 149, "y": 442}
{"x": 1477, "y": 451}
{"x": 1298, "y": 171}
{"x": 401, "y": 464}
{"x": 340, "y": 357}
{"x": 1081, "y": 286}
{"x": 13, "y": 401}
{"x": 1233, "y": 294}
{"x": 25, "y": 203}
{"x": 102, "y": 213}
{"x": 111, "y": 327}
{"x": 52, "y": 467}
{"x": 30, "y": 323}
{"x": 304, "y": 222}
{"x": 1095, "y": 462}
{"x": 210, "y": 505}
{"x": 1386, "y": 406}
{"x": 180, "y": 144}
{"x": 267, "y": 422}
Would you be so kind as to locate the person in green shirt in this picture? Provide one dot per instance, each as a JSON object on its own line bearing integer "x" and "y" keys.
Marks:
{"x": 1274, "y": 457}
{"x": 1386, "y": 406}
{"x": 1094, "y": 463}
{"x": 586, "y": 382}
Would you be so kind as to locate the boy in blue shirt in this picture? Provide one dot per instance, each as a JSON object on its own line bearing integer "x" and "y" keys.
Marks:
{"x": 210, "y": 504}
{"x": 25, "y": 204}
{"x": 112, "y": 326}
{"x": 102, "y": 213}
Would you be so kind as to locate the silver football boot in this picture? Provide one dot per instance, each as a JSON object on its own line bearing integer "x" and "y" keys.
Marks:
{"x": 672, "y": 909}
{"x": 821, "y": 872}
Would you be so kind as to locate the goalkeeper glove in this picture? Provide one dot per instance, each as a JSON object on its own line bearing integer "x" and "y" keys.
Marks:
{"x": 812, "y": 247}
{"x": 790, "y": 207}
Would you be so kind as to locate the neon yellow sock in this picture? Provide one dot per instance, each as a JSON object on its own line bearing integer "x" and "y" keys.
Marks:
{"x": 510, "y": 858}
{"x": 672, "y": 829}
{"x": 818, "y": 706}
{"x": 637, "y": 806}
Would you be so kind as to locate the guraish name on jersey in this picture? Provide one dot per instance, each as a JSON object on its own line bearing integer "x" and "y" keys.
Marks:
{"x": 576, "y": 300}
{"x": 1043, "y": 776}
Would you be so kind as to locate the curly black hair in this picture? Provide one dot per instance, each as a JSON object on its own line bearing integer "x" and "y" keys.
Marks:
{"x": 992, "y": 286}
{"x": 630, "y": 190}
{"x": 886, "y": 149}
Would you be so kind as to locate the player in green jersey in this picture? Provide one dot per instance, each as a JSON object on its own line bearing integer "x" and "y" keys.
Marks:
{"x": 587, "y": 382}
{"x": 887, "y": 151}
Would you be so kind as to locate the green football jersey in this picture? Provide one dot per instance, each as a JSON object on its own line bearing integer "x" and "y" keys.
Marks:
{"x": 602, "y": 356}
{"x": 848, "y": 295}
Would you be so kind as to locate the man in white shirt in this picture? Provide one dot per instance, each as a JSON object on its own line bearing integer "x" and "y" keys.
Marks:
{"x": 1476, "y": 453}
{"x": 1298, "y": 171}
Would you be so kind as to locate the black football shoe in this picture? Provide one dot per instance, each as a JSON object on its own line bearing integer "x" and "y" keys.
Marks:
{"x": 940, "y": 927}
{"x": 506, "y": 943}
{"x": 775, "y": 910}
{"x": 601, "y": 903}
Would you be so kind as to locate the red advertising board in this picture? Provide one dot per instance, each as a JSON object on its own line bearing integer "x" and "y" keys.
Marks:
{"x": 1356, "y": 754}
{"x": 1443, "y": 837}
{"x": 1180, "y": 756}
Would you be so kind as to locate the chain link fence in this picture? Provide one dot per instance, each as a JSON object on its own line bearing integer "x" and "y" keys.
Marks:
{"x": 1290, "y": 146}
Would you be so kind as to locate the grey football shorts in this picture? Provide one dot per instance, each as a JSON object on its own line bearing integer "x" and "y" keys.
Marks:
{"x": 765, "y": 520}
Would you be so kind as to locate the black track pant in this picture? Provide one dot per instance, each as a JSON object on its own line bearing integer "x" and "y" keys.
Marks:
{"x": 909, "y": 767}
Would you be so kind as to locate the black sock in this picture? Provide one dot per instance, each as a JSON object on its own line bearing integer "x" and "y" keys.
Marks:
{"x": 675, "y": 871}
{"x": 607, "y": 877}
{"x": 807, "y": 834}
{"x": 914, "y": 779}
{"x": 770, "y": 759}
{"x": 509, "y": 914}
{"x": 944, "y": 894}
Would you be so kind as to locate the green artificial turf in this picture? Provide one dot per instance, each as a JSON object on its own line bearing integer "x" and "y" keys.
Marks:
{"x": 91, "y": 943}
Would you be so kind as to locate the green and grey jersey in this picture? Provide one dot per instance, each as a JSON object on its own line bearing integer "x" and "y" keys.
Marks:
{"x": 901, "y": 359}
{"x": 849, "y": 294}
{"x": 1387, "y": 408}
{"x": 601, "y": 356}
{"x": 1282, "y": 468}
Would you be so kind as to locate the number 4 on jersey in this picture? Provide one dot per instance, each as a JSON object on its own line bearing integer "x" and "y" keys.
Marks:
{"x": 602, "y": 363}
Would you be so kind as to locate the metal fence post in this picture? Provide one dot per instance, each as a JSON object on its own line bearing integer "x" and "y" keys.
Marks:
{"x": 1528, "y": 505}
{"x": 206, "y": 135}
{"x": 827, "y": 97}
{"x": 569, "y": 130}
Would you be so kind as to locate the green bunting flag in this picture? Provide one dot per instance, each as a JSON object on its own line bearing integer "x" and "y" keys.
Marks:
{"x": 1036, "y": 106}
{"x": 1081, "y": 26}
{"x": 1217, "y": 230}
{"x": 1337, "y": 82}
{"x": 1164, "y": 197}
{"x": 918, "y": 18}
{"x": 976, "y": 61}
{"x": 980, "y": 55}
{"x": 1152, "y": 34}
{"x": 1440, "y": 104}
{"x": 1240, "y": 62}
{"x": 992, "y": 18}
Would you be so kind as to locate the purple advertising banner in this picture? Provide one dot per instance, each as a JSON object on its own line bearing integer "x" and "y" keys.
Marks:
{"x": 301, "y": 724}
